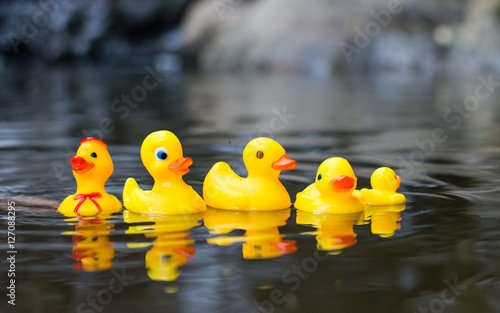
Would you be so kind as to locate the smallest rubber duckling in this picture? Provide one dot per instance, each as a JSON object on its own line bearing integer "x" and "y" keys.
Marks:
{"x": 384, "y": 182}
{"x": 92, "y": 166}
{"x": 331, "y": 193}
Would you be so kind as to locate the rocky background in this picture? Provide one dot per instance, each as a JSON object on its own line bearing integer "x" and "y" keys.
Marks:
{"x": 101, "y": 32}
{"x": 317, "y": 37}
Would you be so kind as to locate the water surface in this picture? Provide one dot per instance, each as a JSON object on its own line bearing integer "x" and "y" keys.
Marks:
{"x": 449, "y": 232}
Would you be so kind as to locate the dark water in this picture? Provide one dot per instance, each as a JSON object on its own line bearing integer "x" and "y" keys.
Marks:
{"x": 444, "y": 257}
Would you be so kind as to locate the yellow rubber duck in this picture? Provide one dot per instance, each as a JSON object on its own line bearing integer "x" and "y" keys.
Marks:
{"x": 161, "y": 154}
{"x": 92, "y": 166}
{"x": 384, "y": 183}
{"x": 331, "y": 193}
{"x": 262, "y": 190}
{"x": 262, "y": 239}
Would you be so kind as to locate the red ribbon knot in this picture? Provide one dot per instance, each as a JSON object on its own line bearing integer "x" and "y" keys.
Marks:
{"x": 91, "y": 196}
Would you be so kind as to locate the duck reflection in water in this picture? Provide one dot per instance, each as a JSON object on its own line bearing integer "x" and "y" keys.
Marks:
{"x": 92, "y": 250}
{"x": 173, "y": 245}
{"x": 385, "y": 219}
{"x": 262, "y": 238}
{"x": 334, "y": 231}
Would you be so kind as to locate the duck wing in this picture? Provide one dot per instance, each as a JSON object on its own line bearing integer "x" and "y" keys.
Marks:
{"x": 223, "y": 188}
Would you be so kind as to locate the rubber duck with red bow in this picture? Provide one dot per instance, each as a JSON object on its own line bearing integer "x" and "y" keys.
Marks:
{"x": 92, "y": 166}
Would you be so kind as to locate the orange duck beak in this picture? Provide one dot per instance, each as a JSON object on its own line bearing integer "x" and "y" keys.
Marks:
{"x": 284, "y": 163}
{"x": 181, "y": 166}
{"x": 342, "y": 183}
{"x": 80, "y": 165}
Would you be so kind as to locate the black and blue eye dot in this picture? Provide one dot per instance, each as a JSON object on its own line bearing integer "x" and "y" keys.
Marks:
{"x": 319, "y": 177}
{"x": 161, "y": 154}
{"x": 93, "y": 154}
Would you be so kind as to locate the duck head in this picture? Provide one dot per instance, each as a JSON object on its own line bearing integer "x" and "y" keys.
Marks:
{"x": 265, "y": 157}
{"x": 161, "y": 154}
{"x": 92, "y": 164}
{"x": 335, "y": 177}
{"x": 384, "y": 178}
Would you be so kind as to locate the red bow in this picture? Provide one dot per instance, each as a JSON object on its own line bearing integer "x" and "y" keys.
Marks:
{"x": 82, "y": 197}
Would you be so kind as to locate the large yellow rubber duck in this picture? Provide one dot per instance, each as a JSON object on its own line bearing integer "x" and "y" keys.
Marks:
{"x": 384, "y": 183}
{"x": 92, "y": 166}
{"x": 331, "y": 193}
{"x": 262, "y": 190}
{"x": 161, "y": 154}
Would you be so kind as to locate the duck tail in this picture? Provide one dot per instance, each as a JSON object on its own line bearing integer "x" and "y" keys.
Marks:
{"x": 130, "y": 186}
{"x": 360, "y": 194}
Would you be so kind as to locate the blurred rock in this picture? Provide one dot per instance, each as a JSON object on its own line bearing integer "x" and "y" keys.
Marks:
{"x": 99, "y": 31}
{"x": 320, "y": 36}
{"x": 314, "y": 37}
{"x": 477, "y": 44}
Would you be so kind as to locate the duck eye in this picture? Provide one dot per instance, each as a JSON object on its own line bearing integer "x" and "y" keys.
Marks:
{"x": 260, "y": 154}
{"x": 94, "y": 155}
{"x": 161, "y": 154}
{"x": 319, "y": 177}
